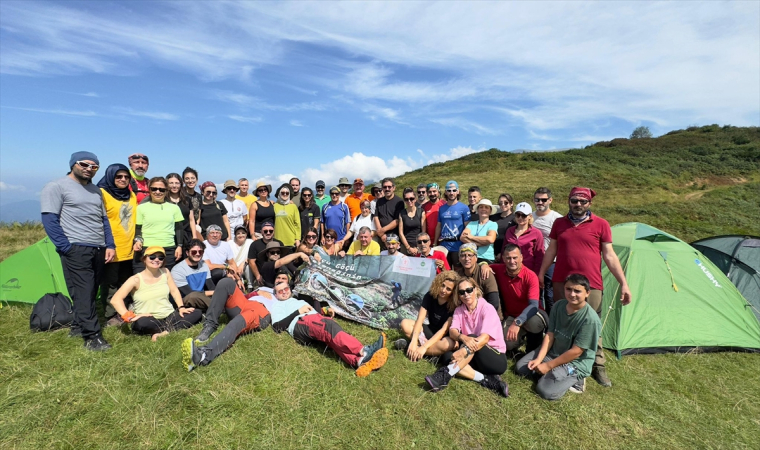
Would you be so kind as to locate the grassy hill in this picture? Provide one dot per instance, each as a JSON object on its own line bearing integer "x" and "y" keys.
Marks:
{"x": 269, "y": 392}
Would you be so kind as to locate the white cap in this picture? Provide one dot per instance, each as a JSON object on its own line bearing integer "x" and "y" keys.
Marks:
{"x": 524, "y": 208}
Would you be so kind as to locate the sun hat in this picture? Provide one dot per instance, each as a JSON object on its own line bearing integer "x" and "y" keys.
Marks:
{"x": 343, "y": 180}
{"x": 229, "y": 184}
{"x": 485, "y": 201}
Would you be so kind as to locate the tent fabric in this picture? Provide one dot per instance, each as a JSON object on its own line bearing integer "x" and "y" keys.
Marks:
{"x": 738, "y": 257}
{"x": 28, "y": 275}
{"x": 681, "y": 300}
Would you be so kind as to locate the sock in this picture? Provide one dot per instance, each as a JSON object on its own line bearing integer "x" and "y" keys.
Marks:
{"x": 453, "y": 370}
{"x": 365, "y": 352}
{"x": 478, "y": 377}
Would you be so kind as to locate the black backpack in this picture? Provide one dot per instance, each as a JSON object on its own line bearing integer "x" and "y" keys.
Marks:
{"x": 51, "y": 312}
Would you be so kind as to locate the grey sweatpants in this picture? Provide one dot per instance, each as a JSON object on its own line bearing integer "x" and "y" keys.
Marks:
{"x": 555, "y": 383}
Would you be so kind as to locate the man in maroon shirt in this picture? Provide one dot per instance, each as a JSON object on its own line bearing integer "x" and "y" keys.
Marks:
{"x": 138, "y": 167}
{"x": 431, "y": 207}
{"x": 580, "y": 241}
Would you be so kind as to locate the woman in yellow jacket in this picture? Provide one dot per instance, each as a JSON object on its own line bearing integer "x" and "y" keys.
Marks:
{"x": 287, "y": 218}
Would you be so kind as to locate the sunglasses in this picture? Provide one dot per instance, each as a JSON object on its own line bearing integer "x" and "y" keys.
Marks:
{"x": 452, "y": 190}
{"x": 320, "y": 188}
{"x": 156, "y": 256}
{"x": 387, "y": 188}
{"x": 158, "y": 189}
{"x": 285, "y": 193}
{"x": 410, "y": 199}
{"x": 196, "y": 252}
{"x": 86, "y": 165}
{"x": 209, "y": 192}
{"x": 285, "y": 289}
{"x": 505, "y": 203}
{"x": 267, "y": 231}
{"x": 232, "y": 189}
{"x": 575, "y": 201}
{"x": 329, "y": 238}
{"x": 311, "y": 236}
{"x": 306, "y": 195}
{"x": 121, "y": 177}
{"x": 334, "y": 193}
{"x": 274, "y": 252}
{"x": 520, "y": 216}
{"x": 261, "y": 191}
{"x": 138, "y": 158}
{"x": 423, "y": 241}
{"x": 540, "y": 200}
{"x": 469, "y": 290}
{"x": 422, "y": 192}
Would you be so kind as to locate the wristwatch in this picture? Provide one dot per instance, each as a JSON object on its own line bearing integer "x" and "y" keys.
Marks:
{"x": 518, "y": 322}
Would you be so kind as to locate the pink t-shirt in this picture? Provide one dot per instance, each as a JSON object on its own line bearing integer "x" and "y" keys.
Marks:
{"x": 579, "y": 249}
{"x": 484, "y": 319}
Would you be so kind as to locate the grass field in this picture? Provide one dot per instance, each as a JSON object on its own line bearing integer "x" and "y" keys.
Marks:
{"x": 269, "y": 392}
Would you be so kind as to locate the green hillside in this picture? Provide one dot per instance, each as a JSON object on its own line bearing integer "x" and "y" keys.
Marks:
{"x": 693, "y": 183}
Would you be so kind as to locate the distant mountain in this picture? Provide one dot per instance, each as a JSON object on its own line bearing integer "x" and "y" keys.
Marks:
{"x": 22, "y": 211}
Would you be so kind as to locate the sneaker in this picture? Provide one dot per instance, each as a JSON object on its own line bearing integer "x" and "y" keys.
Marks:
{"x": 496, "y": 384}
{"x": 97, "y": 344}
{"x": 206, "y": 332}
{"x": 439, "y": 380}
{"x": 75, "y": 332}
{"x": 600, "y": 375}
{"x": 192, "y": 356}
{"x": 375, "y": 356}
{"x": 400, "y": 344}
{"x": 114, "y": 321}
{"x": 579, "y": 387}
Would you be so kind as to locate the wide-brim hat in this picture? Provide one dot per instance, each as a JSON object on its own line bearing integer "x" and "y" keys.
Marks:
{"x": 229, "y": 184}
{"x": 344, "y": 180}
{"x": 261, "y": 258}
{"x": 262, "y": 184}
{"x": 485, "y": 201}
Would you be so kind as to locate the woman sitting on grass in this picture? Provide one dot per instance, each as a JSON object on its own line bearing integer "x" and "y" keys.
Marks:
{"x": 476, "y": 326}
{"x": 438, "y": 307}
{"x": 150, "y": 290}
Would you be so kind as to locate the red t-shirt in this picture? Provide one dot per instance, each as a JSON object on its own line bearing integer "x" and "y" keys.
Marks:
{"x": 579, "y": 249}
{"x": 431, "y": 216}
{"x": 516, "y": 292}
{"x": 531, "y": 245}
{"x": 142, "y": 188}
{"x": 438, "y": 255}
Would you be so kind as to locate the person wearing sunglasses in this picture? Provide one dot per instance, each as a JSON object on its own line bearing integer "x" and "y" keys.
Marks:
{"x": 469, "y": 267}
{"x": 482, "y": 231}
{"x": 158, "y": 223}
{"x": 321, "y": 198}
{"x": 580, "y": 241}
{"x": 261, "y": 211}
{"x": 543, "y": 219}
{"x": 527, "y": 237}
{"x": 329, "y": 245}
{"x": 504, "y": 218}
{"x": 154, "y": 314}
{"x": 258, "y": 246}
{"x": 452, "y": 220}
{"x": 274, "y": 257}
{"x": 237, "y": 212}
{"x": 219, "y": 256}
{"x": 336, "y": 216}
{"x": 193, "y": 276}
{"x": 425, "y": 251}
{"x": 138, "y": 183}
{"x": 421, "y": 194}
{"x": 310, "y": 213}
{"x": 212, "y": 212}
{"x": 287, "y": 218}
{"x": 177, "y": 194}
{"x": 411, "y": 222}
{"x": 387, "y": 210}
{"x": 121, "y": 207}
{"x": 481, "y": 355}
{"x": 431, "y": 207}
{"x": 76, "y": 222}
{"x": 309, "y": 243}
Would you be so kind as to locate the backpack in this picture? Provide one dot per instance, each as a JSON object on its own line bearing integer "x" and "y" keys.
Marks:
{"x": 51, "y": 312}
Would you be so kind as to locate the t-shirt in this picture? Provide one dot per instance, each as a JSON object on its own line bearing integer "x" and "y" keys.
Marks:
{"x": 484, "y": 319}
{"x": 354, "y": 203}
{"x": 240, "y": 251}
{"x": 248, "y": 200}
{"x": 373, "y": 249}
{"x": 336, "y": 217}
{"x": 321, "y": 201}
{"x": 359, "y": 222}
{"x": 157, "y": 220}
{"x": 193, "y": 277}
{"x": 121, "y": 216}
{"x": 502, "y": 223}
{"x": 235, "y": 211}
{"x": 268, "y": 272}
{"x": 531, "y": 245}
{"x": 396, "y": 255}
{"x": 258, "y": 246}
{"x": 287, "y": 223}
{"x": 437, "y": 314}
{"x": 80, "y": 208}
{"x": 581, "y": 328}
{"x": 544, "y": 224}
{"x": 213, "y": 214}
{"x": 219, "y": 253}
{"x": 516, "y": 292}
{"x": 279, "y": 310}
{"x": 579, "y": 249}
{"x": 435, "y": 254}
{"x": 388, "y": 210}
{"x": 478, "y": 230}
{"x": 412, "y": 225}
{"x": 308, "y": 215}
{"x": 452, "y": 219}
{"x": 431, "y": 215}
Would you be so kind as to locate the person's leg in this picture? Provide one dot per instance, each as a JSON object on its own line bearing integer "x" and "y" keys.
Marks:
{"x": 197, "y": 300}
{"x": 548, "y": 291}
{"x": 170, "y": 260}
{"x": 512, "y": 345}
{"x": 81, "y": 270}
{"x": 559, "y": 291}
{"x": 107, "y": 282}
{"x": 595, "y": 301}
{"x": 326, "y": 330}
{"x": 222, "y": 292}
{"x": 556, "y": 382}
{"x": 489, "y": 361}
{"x": 137, "y": 264}
{"x": 148, "y": 325}
{"x": 176, "y": 322}
{"x": 521, "y": 368}
{"x": 407, "y": 326}
{"x": 217, "y": 275}
{"x": 533, "y": 330}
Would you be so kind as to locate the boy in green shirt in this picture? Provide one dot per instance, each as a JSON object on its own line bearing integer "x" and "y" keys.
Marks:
{"x": 567, "y": 353}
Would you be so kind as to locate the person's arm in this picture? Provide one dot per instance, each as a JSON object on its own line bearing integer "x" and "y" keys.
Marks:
{"x": 252, "y": 220}
{"x": 480, "y": 241}
{"x": 414, "y": 352}
{"x": 549, "y": 255}
{"x": 526, "y": 314}
{"x": 232, "y": 265}
{"x": 290, "y": 258}
{"x": 492, "y": 297}
{"x": 226, "y": 220}
{"x": 179, "y": 239}
{"x": 110, "y": 244}
{"x": 209, "y": 287}
{"x": 537, "y": 363}
{"x": 185, "y": 290}
{"x": 255, "y": 269}
{"x": 296, "y": 225}
{"x": 138, "y": 242}
{"x": 613, "y": 263}
{"x": 570, "y": 355}
{"x": 52, "y": 224}
{"x": 379, "y": 229}
{"x": 177, "y": 297}
{"x": 434, "y": 339}
{"x": 117, "y": 301}
{"x": 465, "y": 236}
{"x": 212, "y": 266}
{"x": 437, "y": 234}
{"x": 401, "y": 236}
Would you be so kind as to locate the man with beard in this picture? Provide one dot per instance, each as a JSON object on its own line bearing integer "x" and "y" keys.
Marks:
{"x": 387, "y": 210}
{"x": 423, "y": 245}
{"x": 258, "y": 246}
{"x": 543, "y": 220}
{"x": 75, "y": 219}
{"x": 392, "y": 243}
{"x": 431, "y": 208}
{"x": 295, "y": 184}
{"x": 469, "y": 267}
{"x": 474, "y": 196}
{"x": 452, "y": 220}
{"x": 138, "y": 167}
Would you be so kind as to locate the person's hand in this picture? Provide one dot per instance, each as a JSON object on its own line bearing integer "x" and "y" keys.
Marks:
{"x": 339, "y": 243}
{"x": 304, "y": 309}
{"x": 541, "y": 280}
{"x": 512, "y": 332}
{"x": 317, "y": 257}
{"x": 542, "y": 368}
{"x": 177, "y": 253}
{"x": 459, "y": 357}
{"x": 260, "y": 280}
{"x": 469, "y": 342}
{"x": 342, "y": 254}
{"x": 329, "y": 312}
{"x": 533, "y": 363}
{"x": 625, "y": 295}
{"x": 485, "y": 271}
{"x": 358, "y": 253}
{"x": 139, "y": 316}
{"x": 110, "y": 253}
{"x": 137, "y": 247}
{"x": 413, "y": 251}
{"x": 187, "y": 310}
{"x": 439, "y": 263}
{"x": 297, "y": 243}
{"x": 382, "y": 237}
{"x": 415, "y": 352}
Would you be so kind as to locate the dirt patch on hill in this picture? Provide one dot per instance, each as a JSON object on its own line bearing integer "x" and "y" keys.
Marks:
{"x": 708, "y": 184}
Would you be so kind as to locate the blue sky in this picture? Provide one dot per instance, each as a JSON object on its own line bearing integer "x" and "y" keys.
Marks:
{"x": 324, "y": 90}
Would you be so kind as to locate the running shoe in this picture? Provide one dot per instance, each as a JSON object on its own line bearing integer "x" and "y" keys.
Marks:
{"x": 439, "y": 380}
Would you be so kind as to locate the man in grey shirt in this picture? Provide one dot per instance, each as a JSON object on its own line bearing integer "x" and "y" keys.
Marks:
{"x": 75, "y": 220}
{"x": 543, "y": 219}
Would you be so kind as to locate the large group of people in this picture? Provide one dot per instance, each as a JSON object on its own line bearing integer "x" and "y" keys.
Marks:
{"x": 166, "y": 256}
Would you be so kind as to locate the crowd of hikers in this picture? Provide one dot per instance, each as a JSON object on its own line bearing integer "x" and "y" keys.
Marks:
{"x": 165, "y": 253}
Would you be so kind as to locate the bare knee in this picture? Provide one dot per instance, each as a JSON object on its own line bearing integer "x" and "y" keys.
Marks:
{"x": 407, "y": 326}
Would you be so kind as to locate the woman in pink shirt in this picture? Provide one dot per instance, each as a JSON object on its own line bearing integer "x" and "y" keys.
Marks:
{"x": 476, "y": 327}
{"x": 527, "y": 237}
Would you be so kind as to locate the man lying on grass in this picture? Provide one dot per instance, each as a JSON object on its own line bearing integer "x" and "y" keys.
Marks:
{"x": 567, "y": 353}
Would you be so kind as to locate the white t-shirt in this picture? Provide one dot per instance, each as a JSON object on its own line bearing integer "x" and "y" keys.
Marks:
{"x": 236, "y": 209}
{"x": 218, "y": 254}
{"x": 360, "y": 222}
{"x": 397, "y": 255}
{"x": 241, "y": 257}
{"x": 544, "y": 224}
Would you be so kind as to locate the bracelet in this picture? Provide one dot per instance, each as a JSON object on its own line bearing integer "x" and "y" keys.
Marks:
{"x": 127, "y": 316}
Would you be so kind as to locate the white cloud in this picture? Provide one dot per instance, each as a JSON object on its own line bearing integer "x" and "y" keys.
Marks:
{"x": 246, "y": 119}
{"x": 378, "y": 112}
{"x": 63, "y": 112}
{"x": 466, "y": 125}
{"x": 249, "y": 101}
{"x": 454, "y": 153}
{"x": 10, "y": 187}
{"x": 148, "y": 114}
{"x": 296, "y": 123}
{"x": 90, "y": 94}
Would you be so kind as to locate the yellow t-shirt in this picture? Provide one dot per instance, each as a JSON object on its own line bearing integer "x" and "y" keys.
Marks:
{"x": 121, "y": 217}
{"x": 248, "y": 200}
{"x": 373, "y": 249}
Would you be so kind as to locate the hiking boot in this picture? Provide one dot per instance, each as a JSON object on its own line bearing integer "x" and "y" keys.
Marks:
{"x": 579, "y": 387}
{"x": 600, "y": 375}
{"x": 439, "y": 380}
{"x": 496, "y": 384}
{"x": 75, "y": 332}
{"x": 400, "y": 344}
{"x": 206, "y": 332}
{"x": 375, "y": 356}
{"x": 192, "y": 356}
{"x": 97, "y": 344}
{"x": 114, "y": 321}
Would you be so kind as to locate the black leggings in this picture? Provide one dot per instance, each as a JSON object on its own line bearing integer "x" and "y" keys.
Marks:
{"x": 487, "y": 360}
{"x": 172, "y": 322}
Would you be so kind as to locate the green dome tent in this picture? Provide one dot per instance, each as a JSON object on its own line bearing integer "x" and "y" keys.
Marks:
{"x": 681, "y": 300}
{"x": 738, "y": 257}
{"x": 31, "y": 273}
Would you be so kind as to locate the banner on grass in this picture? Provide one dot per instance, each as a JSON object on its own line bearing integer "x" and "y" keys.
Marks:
{"x": 378, "y": 291}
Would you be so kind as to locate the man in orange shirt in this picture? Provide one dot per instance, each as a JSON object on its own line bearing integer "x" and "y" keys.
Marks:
{"x": 354, "y": 201}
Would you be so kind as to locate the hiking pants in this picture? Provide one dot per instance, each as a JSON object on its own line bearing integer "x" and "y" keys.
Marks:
{"x": 552, "y": 385}
{"x": 172, "y": 322}
{"x": 487, "y": 360}
{"x": 547, "y": 293}
{"x": 315, "y": 327}
{"x": 82, "y": 270}
{"x": 224, "y": 289}
{"x": 114, "y": 275}
{"x": 595, "y": 300}
{"x": 533, "y": 328}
